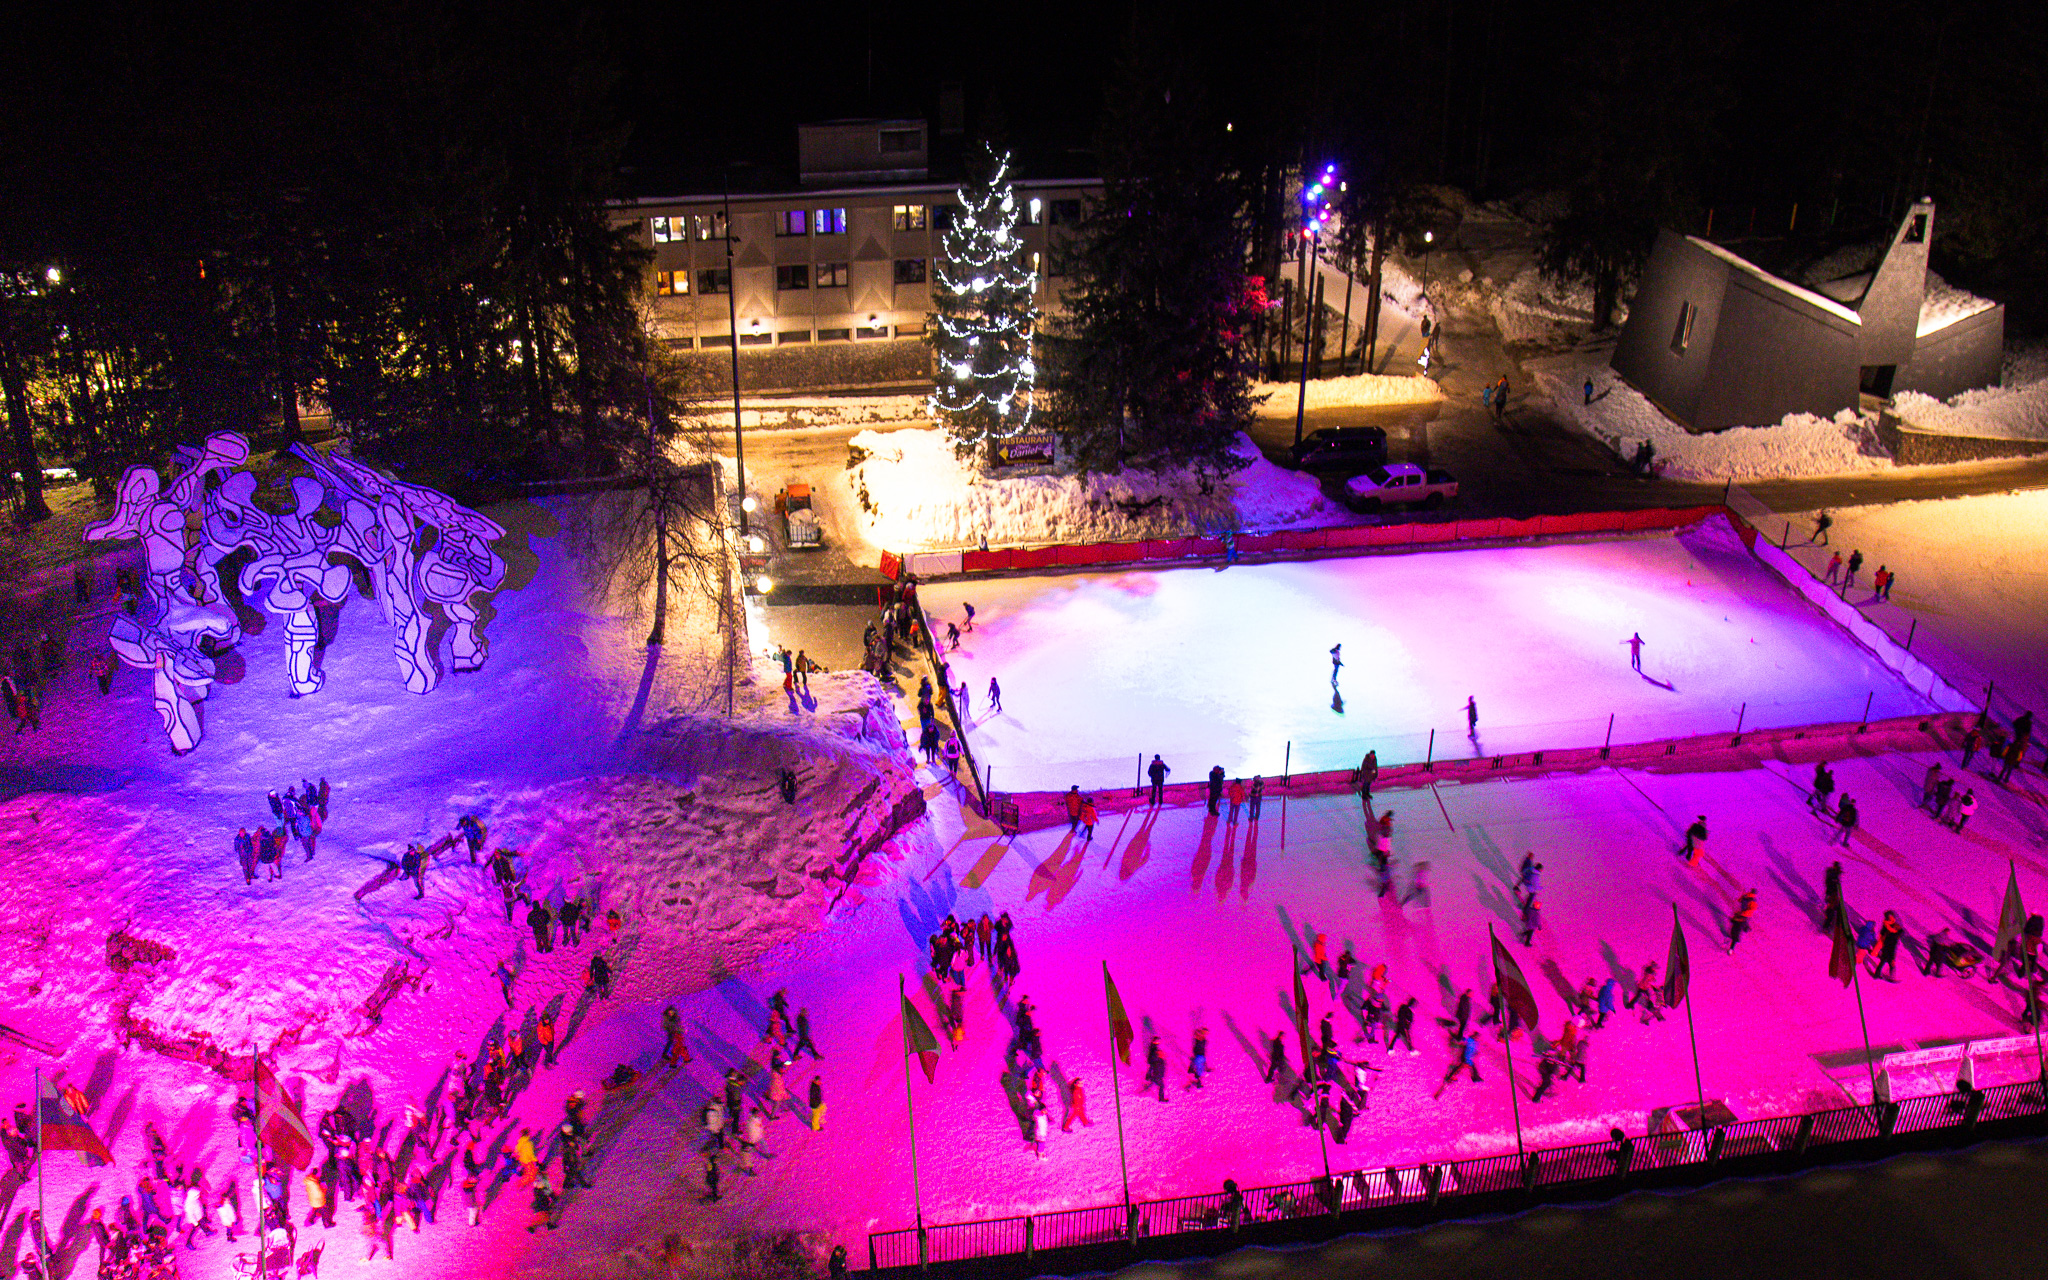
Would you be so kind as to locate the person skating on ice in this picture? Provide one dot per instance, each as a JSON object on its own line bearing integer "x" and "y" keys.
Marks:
{"x": 1635, "y": 651}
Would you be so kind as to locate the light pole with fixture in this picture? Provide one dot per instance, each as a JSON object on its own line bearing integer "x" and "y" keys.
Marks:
{"x": 732, "y": 312}
{"x": 1316, "y": 198}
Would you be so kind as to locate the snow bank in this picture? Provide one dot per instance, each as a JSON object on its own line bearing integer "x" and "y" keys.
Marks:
{"x": 1945, "y": 304}
{"x": 919, "y": 496}
{"x": 1534, "y": 308}
{"x": 825, "y": 411}
{"x": 1356, "y": 391}
{"x": 1620, "y": 417}
{"x": 2016, "y": 411}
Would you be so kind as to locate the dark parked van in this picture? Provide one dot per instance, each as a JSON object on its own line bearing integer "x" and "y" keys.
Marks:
{"x": 1340, "y": 451}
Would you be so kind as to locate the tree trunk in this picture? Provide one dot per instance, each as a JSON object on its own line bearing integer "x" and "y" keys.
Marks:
{"x": 1372, "y": 301}
{"x": 20, "y": 427}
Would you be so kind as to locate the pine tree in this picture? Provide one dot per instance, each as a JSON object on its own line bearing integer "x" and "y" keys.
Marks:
{"x": 986, "y": 316}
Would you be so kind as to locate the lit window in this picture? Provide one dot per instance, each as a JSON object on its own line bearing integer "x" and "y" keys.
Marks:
{"x": 672, "y": 284}
{"x": 1035, "y": 260}
{"x": 662, "y": 232}
{"x": 897, "y": 142}
{"x": 1681, "y": 334}
{"x": 831, "y": 222}
{"x": 714, "y": 280}
{"x": 909, "y": 217}
{"x": 910, "y": 330}
{"x": 711, "y": 226}
{"x": 831, "y": 275}
{"x": 910, "y": 271}
{"x": 794, "y": 276}
{"x": 1034, "y": 209}
{"x": 1065, "y": 213}
{"x": 756, "y": 339}
{"x": 792, "y": 222}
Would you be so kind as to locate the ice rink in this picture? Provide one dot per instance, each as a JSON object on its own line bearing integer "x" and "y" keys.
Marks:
{"x": 1233, "y": 667}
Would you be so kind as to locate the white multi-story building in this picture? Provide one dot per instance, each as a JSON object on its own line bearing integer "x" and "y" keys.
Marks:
{"x": 845, "y": 257}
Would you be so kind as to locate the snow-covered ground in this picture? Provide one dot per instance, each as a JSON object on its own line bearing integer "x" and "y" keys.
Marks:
{"x": 1972, "y": 575}
{"x": 1231, "y": 668}
{"x": 604, "y": 767}
{"x": 919, "y": 496}
{"x": 1620, "y": 418}
{"x": 1353, "y": 391}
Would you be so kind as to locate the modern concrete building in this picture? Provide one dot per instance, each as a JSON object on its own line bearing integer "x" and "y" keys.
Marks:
{"x": 1716, "y": 341}
{"x": 830, "y": 276}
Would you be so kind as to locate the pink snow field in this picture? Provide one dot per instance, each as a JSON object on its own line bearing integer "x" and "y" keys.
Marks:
{"x": 142, "y": 969}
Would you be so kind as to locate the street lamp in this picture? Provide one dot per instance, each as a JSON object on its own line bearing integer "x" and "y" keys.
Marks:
{"x": 1315, "y": 199}
{"x": 732, "y": 313}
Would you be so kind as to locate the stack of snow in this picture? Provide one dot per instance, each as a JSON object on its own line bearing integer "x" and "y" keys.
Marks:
{"x": 1538, "y": 309}
{"x": 824, "y": 411}
{"x": 1356, "y": 391}
{"x": 1944, "y": 304}
{"x": 919, "y": 496}
{"x": 1620, "y": 417}
{"x": 2018, "y": 410}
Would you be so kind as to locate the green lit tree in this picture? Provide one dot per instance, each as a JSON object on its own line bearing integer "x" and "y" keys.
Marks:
{"x": 984, "y": 319}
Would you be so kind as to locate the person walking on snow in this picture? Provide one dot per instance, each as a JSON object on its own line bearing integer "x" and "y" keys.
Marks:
{"x": 1635, "y": 651}
{"x": 1696, "y": 841}
{"x": 1073, "y": 803}
{"x": 1468, "y": 1059}
{"x": 1088, "y": 816}
{"x": 1198, "y": 1058}
{"x": 1845, "y": 817}
{"x": 1823, "y": 787}
{"x": 1888, "y": 936}
{"x": 1855, "y": 563}
{"x": 1821, "y": 524}
{"x": 1158, "y": 771}
{"x": 542, "y": 920}
{"x": 995, "y": 697}
{"x": 1155, "y": 1068}
{"x": 1739, "y": 923}
{"x": 1471, "y": 716}
{"x": 817, "y": 1098}
{"x": 1236, "y": 799}
{"x": 1076, "y": 1108}
{"x": 1834, "y": 569}
{"x": 1215, "y": 788}
{"x": 803, "y": 1038}
{"x": 1257, "y": 796}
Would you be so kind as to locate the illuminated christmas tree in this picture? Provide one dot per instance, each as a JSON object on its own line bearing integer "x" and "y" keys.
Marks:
{"x": 985, "y": 316}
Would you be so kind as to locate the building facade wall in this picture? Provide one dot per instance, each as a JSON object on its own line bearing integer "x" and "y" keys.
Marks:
{"x": 1681, "y": 281}
{"x": 860, "y": 270}
{"x": 1773, "y": 355}
{"x": 1967, "y": 354}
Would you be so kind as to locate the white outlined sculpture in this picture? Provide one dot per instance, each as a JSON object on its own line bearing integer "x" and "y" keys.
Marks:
{"x": 420, "y": 547}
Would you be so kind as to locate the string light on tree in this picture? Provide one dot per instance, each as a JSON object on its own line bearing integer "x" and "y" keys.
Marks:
{"x": 985, "y": 312}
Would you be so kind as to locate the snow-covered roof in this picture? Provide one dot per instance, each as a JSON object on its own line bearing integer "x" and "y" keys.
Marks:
{"x": 1945, "y": 304}
{"x": 1801, "y": 292}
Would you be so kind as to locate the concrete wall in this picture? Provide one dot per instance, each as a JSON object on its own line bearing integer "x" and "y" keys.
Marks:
{"x": 1678, "y": 273}
{"x": 1969, "y": 353}
{"x": 1775, "y": 354}
{"x": 816, "y": 365}
{"x": 1890, "y": 310}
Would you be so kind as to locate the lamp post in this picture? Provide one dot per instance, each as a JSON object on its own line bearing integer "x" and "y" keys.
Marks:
{"x": 732, "y": 312}
{"x": 1316, "y": 198}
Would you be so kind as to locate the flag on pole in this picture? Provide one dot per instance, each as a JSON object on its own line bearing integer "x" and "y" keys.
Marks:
{"x": 64, "y": 1128}
{"x": 1842, "y": 956}
{"x": 918, "y": 1039}
{"x": 278, "y": 1121}
{"x": 1120, "y": 1029}
{"x": 1677, "y": 967}
{"x": 2012, "y": 916}
{"x": 1514, "y": 988}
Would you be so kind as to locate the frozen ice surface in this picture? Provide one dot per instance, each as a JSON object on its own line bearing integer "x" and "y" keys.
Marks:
{"x": 1230, "y": 668}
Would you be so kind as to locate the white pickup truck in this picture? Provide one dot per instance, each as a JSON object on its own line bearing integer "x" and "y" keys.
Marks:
{"x": 1400, "y": 482}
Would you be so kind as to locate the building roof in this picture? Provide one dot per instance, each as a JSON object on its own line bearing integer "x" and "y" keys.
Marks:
{"x": 1804, "y": 294}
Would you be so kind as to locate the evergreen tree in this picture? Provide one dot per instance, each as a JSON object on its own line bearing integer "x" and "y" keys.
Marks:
{"x": 985, "y": 320}
{"x": 1153, "y": 362}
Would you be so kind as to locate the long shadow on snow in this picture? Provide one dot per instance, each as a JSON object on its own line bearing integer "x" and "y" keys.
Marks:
{"x": 67, "y": 778}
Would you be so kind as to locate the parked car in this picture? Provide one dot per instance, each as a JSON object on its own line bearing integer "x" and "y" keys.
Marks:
{"x": 1343, "y": 451}
{"x": 1400, "y": 483}
{"x": 800, "y": 531}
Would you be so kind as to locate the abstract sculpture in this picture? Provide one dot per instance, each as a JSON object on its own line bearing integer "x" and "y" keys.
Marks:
{"x": 419, "y": 546}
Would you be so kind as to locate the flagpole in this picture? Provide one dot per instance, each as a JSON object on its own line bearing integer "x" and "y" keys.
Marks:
{"x": 1869, "y": 1062}
{"x": 42, "y": 1158}
{"x": 1507, "y": 1042}
{"x": 1116, "y": 1093}
{"x": 1691, "y": 1032}
{"x": 909, "y": 1106}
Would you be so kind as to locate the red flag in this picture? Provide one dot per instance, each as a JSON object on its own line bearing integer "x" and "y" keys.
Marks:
{"x": 918, "y": 1039}
{"x": 1514, "y": 988}
{"x": 1120, "y": 1029}
{"x": 64, "y": 1129}
{"x": 1842, "y": 955}
{"x": 278, "y": 1121}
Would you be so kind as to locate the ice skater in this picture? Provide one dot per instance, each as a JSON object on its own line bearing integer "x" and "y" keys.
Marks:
{"x": 970, "y": 614}
{"x": 1471, "y": 717}
{"x": 1635, "y": 652}
{"x": 1845, "y": 817}
{"x": 1740, "y": 922}
{"x": 1336, "y": 661}
{"x": 995, "y": 697}
{"x": 1696, "y": 841}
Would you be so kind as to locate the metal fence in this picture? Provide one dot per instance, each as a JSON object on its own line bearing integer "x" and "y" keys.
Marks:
{"x": 1433, "y": 1183}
